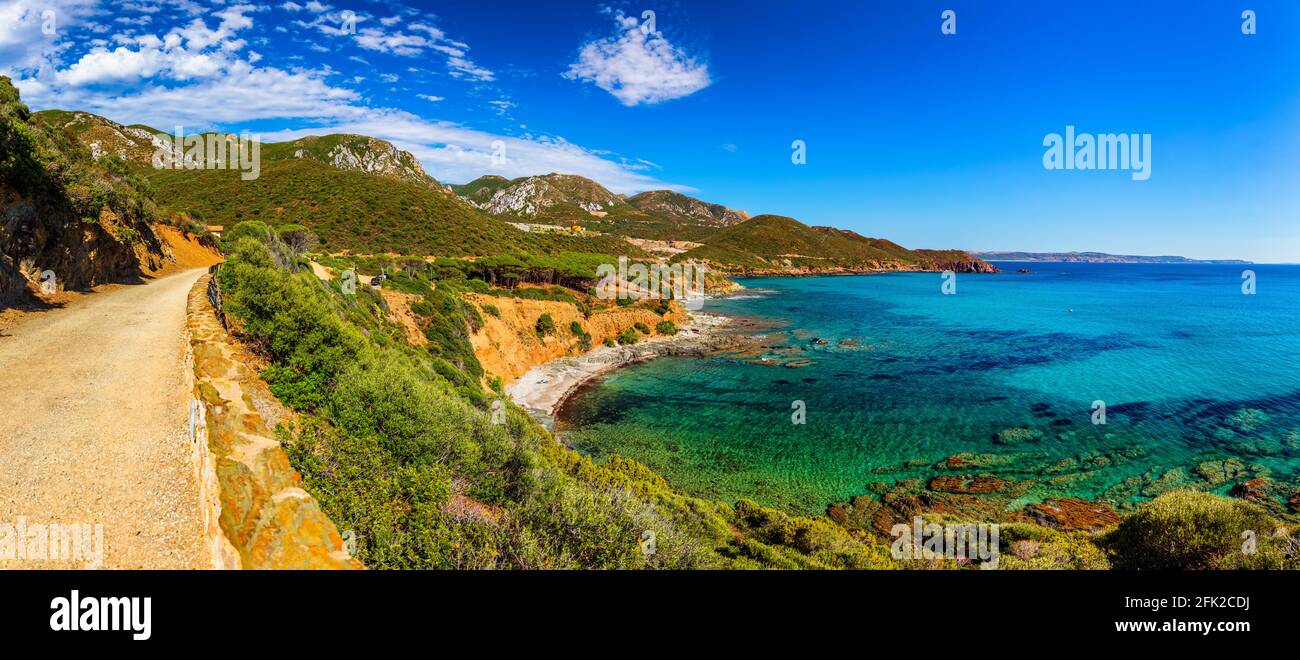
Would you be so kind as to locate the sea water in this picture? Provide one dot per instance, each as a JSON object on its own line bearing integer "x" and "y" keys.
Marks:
{"x": 892, "y": 376}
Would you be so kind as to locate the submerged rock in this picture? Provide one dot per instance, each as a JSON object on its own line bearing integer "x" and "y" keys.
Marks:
{"x": 1017, "y": 436}
{"x": 1218, "y": 473}
{"x": 971, "y": 484}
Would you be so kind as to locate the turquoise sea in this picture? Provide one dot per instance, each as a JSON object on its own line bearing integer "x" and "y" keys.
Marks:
{"x": 1192, "y": 372}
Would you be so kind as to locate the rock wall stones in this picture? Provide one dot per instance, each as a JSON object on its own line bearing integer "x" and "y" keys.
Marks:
{"x": 256, "y": 513}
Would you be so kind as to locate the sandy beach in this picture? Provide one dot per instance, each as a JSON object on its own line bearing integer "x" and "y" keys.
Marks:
{"x": 542, "y": 390}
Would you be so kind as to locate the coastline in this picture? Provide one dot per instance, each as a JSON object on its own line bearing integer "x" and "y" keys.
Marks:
{"x": 543, "y": 390}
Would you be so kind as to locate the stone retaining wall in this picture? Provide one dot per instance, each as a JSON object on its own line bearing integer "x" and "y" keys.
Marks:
{"x": 256, "y": 513}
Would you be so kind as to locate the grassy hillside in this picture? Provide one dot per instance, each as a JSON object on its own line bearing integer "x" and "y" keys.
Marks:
{"x": 356, "y": 211}
{"x": 774, "y": 244}
{"x": 480, "y": 190}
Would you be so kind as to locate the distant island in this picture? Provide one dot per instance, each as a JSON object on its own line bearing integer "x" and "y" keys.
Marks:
{"x": 1097, "y": 257}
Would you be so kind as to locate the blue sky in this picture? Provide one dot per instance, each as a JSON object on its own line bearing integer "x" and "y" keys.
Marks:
{"x": 928, "y": 139}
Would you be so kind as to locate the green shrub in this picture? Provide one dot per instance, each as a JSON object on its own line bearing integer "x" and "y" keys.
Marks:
{"x": 628, "y": 337}
{"x": 493, "y": 310}
{"x": 545, "y": 326}
{"x": 609, "y": 341}
{"x": 127, "y": 235}
{"x": 666, "y": 328}
{"x": 641, "y": 328}
{"x": 576, "y": 328}
{"x": 1195, "y": 530}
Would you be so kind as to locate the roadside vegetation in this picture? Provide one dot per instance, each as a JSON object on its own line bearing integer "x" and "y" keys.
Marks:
{"x": 398, "y": 445}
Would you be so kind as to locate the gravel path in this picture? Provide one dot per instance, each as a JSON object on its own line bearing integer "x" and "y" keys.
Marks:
{"x": 93, "y": 417}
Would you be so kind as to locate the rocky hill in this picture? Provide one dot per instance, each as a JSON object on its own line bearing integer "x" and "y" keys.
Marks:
{"x": 681, "y": 208}
{"x": 535, "y": 196}
{"x": 354, "y": 153}
{"x": 566, "y": 200}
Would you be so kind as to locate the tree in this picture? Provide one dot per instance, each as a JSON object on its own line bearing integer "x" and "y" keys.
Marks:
{"x": 299, "y": 238}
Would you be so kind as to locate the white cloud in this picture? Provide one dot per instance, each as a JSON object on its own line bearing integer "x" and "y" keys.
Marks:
{"x": 638, "y": 67}
{"x": 193, "y": 75}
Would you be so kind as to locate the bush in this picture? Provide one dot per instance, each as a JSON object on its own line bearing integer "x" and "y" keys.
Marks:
{"x": 628, "y": 337}
{"x": 254, "y": 229}
{"x": 545, "y": 325}
{"x": 576, "y": 329}
{"x": 641, "y": 328}
{"x": 666, "y": 328}
{"x": 609, "y": 341}
{"x": 127, "y": 236}
{"x": 1195, "y": 530}
{"x": 493, "y": 310}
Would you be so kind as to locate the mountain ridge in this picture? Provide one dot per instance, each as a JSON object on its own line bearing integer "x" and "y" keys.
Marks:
{"x": 780, "y": 245}
{"x": 1096, "y": 257}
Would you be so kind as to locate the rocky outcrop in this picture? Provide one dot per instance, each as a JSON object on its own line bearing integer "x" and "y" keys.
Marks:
{"x": 533, "y": 195}
{"x": 966, "y": 266}
{"x": 38, "y": 234}
{"x": 361, "y": 153}
{"x": 256, "y": 513}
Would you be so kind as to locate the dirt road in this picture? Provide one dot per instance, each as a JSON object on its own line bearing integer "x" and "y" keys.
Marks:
{"x": 93, "y": 431}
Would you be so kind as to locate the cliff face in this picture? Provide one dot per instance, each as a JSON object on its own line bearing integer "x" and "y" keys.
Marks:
{"x": 806, "y": 270}
{"x": 508, "y": 346}
{"x": 38, "y": 233}
{"x": 61, "y": 211}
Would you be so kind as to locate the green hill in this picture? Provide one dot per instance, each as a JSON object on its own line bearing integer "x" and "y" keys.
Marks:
{"x": 137, "y": 143}
{"x": 357, "y": 211}
{"x": 773, "y": 244}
